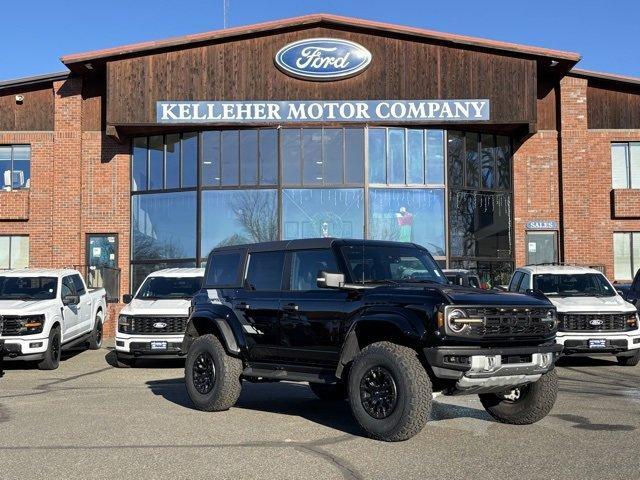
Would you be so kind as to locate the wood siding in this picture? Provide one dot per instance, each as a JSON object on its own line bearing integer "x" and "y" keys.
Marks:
{"x": 244, "y": 70}
{"x": 613, "y": 106}
{"x": 35, "y": 113}
{"x": 547, "y": 111}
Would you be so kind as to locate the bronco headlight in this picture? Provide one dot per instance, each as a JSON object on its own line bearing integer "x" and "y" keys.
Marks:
{"x": 455, "y": 318}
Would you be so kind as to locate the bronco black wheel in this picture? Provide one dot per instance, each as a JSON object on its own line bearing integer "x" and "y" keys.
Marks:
{"x": 211, "y": 375}
{"x": 378, "y": 392}
{"x": 389, "y": 391}
{"x": 204, "y": 373}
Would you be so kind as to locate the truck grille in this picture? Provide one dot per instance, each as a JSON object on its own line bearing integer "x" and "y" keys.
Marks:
{"x": 150, "y": 325}
{"x": 586, "y": 322}
{"x": 511, "y": 322}
{"x": 11, "y": 326}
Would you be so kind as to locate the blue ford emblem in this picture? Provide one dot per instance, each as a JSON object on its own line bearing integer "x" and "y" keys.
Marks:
{"x": 596, "y": 322}
{"x": 159, "y": 325}
{"x": 322, "y": 59}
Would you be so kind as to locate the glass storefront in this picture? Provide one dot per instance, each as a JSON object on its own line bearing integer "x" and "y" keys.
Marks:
{"x": 192, "y": 192}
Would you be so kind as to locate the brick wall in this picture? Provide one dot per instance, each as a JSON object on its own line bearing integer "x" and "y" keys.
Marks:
{"x": 79, "y": 186}
{"x": 625, "y": 203}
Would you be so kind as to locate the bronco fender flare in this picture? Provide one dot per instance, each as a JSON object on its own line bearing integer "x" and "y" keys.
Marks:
{"x": 405, "y": 326}
{"x": 219, "y": 320}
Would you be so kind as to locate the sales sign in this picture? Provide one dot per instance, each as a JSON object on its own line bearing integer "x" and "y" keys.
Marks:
{"x": 362, "y": 111}
{"x": 542, "y": 225}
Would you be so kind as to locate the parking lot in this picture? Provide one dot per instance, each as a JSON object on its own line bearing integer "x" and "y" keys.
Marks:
{"x": 90, "y": 420}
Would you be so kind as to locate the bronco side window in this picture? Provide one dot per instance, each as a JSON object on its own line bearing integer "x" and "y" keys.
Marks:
{"x": 265, "y": 271}
{"x": 305, "y": 266}
{"x": 225, "y": 269}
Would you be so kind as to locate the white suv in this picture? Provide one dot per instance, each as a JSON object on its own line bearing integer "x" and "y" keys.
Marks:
{"x": 593, "y": 318}
{"x": 152, "y": 325}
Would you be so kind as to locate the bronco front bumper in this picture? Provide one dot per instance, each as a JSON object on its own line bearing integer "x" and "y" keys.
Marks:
{"x": 483, "y": 370}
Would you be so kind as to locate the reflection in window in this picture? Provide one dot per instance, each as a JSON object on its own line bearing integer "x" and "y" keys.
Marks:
{"x": 248, "y": 157}
{"x": 139, "y": 164}
{"x": 435, "y": 157}
{"x": 626, "y": 255}
{"x": 488, "y": 160}
{"x": 156, "y": 163}
{"x": 491, "y": 273}
{"x": 377, "y": 155}
{"x": 480, "y": 224}
{"x": 473, "y": 160}
{"x": 235, "y": 217}
{"x": 395, "y": 156}
{"x": 164, "y": 225}
{"x": 408, "y": 215}
{"x": 291, "y": 165}
{"x": 312, "y": 213}
{"x": 503, "y": 162}
{"x": 189, "y": 160}
{"x": 455, "y": 152}
{"x": 164, "y": 162}
{"x": 172, "y": 168}
{"x": 268, "y": 157}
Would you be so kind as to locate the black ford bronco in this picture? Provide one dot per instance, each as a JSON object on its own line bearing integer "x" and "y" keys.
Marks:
{"x": 373, "y": 322}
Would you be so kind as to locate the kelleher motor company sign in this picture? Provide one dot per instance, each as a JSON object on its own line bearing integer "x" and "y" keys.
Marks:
{"x": 362, "y": 111}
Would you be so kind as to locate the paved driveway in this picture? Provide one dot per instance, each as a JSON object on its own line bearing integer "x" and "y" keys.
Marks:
{"x": 90, "y": 420}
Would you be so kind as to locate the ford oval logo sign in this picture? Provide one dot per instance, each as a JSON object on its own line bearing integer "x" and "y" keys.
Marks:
{"x": 159, "y": 325}
{"x": 322, "y": 59}
{"x": 596, "y": 322}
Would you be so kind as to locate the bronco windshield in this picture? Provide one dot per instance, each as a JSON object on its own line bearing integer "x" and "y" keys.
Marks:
{"x": 390, "y": 264}
{"x": 573, "y": 285}
{"x": 165, "y": 288}
{"x": 28, "y": 288}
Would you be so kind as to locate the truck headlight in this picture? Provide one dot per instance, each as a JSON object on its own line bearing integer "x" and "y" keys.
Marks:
{"x": 31, "y": 325}
{"x": 552, "y": 318}
{"x": 632, "y": 320}
{"x": 124, "y": 323}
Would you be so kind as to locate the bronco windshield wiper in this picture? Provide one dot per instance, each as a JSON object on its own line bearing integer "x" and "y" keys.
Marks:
{"x": 383, "y": 281}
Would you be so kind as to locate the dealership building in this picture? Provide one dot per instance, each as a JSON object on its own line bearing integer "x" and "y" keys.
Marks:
{"x": 490, "y": 154}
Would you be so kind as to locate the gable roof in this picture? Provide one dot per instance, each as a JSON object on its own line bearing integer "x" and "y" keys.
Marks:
{"x": 77, "y": 61}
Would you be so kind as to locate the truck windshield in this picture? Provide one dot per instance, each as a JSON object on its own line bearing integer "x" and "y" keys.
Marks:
{"x": 163, "y": 288}
{"x": 390, "y": 264}
{"x": 28, "y": 288}
{"x": 573, "y": 285}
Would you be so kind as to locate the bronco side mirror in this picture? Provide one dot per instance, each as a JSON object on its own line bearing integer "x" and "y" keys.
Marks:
{"x": 330, "y": 280}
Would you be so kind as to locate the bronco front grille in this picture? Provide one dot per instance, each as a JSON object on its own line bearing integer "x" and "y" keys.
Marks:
{"x": 587, "y": 322}
{"x": 511, "y": 322}
{"x": 156, "y": 325}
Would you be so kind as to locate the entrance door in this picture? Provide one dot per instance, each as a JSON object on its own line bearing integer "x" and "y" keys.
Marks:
{"x": 102, "y": 251}
{"x": 542, "y": 247}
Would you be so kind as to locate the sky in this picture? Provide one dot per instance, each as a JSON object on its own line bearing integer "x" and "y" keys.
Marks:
{"x": 37, "y": 32}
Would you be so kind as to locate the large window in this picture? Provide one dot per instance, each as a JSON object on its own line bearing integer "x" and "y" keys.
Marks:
{"x": 408, "y": 215}
{"x": 480, "y": 204}
{"x": 320, "y": 212}
{"x": 232, "y": 217}
{"x": 14, "y": 251}
{"x": 164, "y": 226}
{"x": 192, "y": 192}
{"x": 626, "y": 255}
{"x": 15, "y": 166}
{"x": 625, "y": 165}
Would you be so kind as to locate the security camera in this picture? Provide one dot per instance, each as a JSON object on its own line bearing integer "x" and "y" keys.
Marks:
{"x": 19, "y": 98}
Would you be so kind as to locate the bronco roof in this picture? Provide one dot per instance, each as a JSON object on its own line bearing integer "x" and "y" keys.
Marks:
{"x": 311, "y": 243}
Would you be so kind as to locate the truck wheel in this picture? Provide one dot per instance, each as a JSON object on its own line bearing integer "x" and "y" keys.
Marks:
{"x": 389, "y": 392}
{"x": 524, "y": 405}
{"x": 51, "y": 359}
{"x": 95, "y": 341}
{"x": 631, "y": 361}
{"x": 329, "y": 392}
{"x": 212, "y": 377}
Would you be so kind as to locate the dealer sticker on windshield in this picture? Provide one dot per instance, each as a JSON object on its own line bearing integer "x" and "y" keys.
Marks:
{"x": 597, "y": 343}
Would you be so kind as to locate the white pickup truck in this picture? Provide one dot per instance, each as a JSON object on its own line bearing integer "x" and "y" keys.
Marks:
{"x": 593, "y": 318}
{"x": 152, "y": 325}
{"x": 43, "y": 312}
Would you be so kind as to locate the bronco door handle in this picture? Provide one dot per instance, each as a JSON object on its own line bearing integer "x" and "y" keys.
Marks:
{"x": 290, "y": 307}
{"x": 243, "y": 306}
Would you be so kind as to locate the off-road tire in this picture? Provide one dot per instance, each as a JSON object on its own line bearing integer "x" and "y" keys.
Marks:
{"x": 125, "y": 362}
{"x": 412, "y": 384}
{"x": 95, "y": 340}
{"x": 226, "y": 384}
{"x": 334, "y": 392}
{"x": 51, "y": 360}
{"x": 631, "y": 361}
{"x": 534, "y": 403}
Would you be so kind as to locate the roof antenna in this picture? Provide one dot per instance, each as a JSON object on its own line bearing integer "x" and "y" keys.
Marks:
{"x": 225, "y": 9}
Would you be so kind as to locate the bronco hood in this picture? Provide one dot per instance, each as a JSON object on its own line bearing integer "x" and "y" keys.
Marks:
{"x": 475, "y": 296}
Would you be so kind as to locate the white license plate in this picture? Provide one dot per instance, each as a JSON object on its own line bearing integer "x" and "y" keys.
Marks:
{"x": 597, "y": 343}
{"x": 158, "y": 345}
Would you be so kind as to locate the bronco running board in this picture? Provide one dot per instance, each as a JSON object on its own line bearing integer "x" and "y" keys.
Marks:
{"x": 316, "y": 376}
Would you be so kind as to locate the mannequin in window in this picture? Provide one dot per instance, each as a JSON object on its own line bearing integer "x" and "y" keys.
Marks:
{"x": 405, "y": 222}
